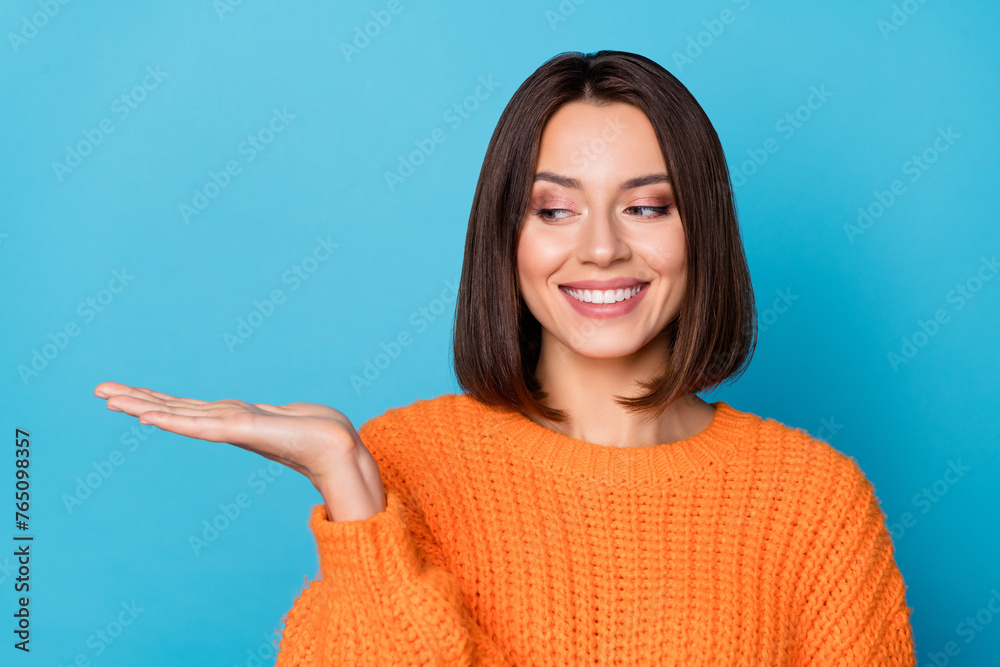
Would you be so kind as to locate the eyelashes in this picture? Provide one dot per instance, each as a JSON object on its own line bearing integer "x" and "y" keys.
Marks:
{"x": 545, "y": 213}
{"x": 661, "y": 210}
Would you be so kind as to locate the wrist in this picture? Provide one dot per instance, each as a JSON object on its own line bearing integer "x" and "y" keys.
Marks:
{"x": 358, "y": 506}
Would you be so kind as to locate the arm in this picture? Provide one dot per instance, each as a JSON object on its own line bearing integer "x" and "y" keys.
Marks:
{"x": 379, "y": 600}
{"x": 855, "y": 610}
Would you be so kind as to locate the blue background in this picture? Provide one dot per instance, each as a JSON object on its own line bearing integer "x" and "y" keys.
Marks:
{"x": 847, "y": 299}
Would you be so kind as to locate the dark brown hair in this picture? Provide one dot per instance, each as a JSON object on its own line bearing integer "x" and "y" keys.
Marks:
{"x": 497, "y": 340}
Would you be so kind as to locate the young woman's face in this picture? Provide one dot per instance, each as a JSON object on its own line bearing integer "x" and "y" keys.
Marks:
{"x": 601, "y": 258}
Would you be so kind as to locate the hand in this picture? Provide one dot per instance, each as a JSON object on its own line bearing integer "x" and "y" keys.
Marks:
{"x": 315, "y": 440}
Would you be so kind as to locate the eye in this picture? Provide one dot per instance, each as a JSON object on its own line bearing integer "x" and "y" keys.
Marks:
{"x": 657, "y": 210}
{"x": 544, "y": 213}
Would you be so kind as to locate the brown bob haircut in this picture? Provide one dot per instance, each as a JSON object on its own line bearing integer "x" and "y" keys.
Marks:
{"x": 497, "y": 340}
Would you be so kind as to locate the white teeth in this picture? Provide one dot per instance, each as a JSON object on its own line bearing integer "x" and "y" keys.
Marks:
{"x": 607, "y": 296}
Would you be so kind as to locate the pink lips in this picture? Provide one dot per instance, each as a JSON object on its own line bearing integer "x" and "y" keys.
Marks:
{"x": 605, "y": 310}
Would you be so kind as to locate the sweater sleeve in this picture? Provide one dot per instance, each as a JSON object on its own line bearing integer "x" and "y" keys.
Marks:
{"x": 855, "y": 610}
{"x": 379, "y": 599}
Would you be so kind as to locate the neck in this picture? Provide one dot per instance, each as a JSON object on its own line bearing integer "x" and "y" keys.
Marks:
{"x": 585, "y": 388}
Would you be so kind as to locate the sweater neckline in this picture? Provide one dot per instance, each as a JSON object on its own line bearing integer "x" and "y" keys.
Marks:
{"x": 664, "y": 464}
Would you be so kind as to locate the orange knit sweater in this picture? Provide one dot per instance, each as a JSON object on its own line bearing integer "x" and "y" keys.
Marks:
{"x": 506, "y": 543}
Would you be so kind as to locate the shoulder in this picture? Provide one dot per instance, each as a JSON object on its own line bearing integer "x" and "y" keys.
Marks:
{"x": 823, "y": 501}
{"x": 419, "y": 446}
{"x": 447, "y": 413}
{"x": 809, "y": 466}
{"x": 427, "y": 426}
{"x": 804, "y": 449}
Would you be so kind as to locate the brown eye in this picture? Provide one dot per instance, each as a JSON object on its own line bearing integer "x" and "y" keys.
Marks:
{"x": 657, "y": 210}
{"x": 546, "y": 213}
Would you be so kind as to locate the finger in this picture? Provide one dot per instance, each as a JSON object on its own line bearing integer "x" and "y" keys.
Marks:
{"x": 201, "y": 427}
{"x": 135, "y": 406}
{"x": 168, "y": 397}
{"x": 113, "y": 389}
{"x": 271, "y": 408}
{"x": 107, "y": 389}
{"x": 243, "y": 431}
{"x": 313, "y": 410}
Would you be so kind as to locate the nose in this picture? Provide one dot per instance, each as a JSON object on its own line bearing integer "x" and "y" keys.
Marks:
{"x": 601, "y": 241}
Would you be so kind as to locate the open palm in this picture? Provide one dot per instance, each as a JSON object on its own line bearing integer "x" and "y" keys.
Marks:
{"x": 316, "y": 440}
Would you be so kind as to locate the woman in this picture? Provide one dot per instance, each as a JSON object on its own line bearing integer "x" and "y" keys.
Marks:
{"x": 578, "y": 503}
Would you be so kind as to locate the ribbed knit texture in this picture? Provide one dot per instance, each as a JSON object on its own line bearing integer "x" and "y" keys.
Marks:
{"x": 506, "y": 543}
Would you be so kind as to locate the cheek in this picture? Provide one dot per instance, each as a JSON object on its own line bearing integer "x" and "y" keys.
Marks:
{"x": 674, "y": 262}
{"x": 667, "y": 254}
{"x": 538, "y": 256}
{"x": 524, "y": 262}
{"x": 531, "y": 274}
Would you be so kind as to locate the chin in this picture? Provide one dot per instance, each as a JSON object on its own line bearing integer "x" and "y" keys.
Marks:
{"x": 601, "y": 349}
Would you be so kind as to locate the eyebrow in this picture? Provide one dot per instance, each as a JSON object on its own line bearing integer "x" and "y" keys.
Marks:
{"x": 631, "y": 183}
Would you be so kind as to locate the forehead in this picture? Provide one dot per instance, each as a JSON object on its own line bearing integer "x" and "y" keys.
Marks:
{"x": 587, "y": 140}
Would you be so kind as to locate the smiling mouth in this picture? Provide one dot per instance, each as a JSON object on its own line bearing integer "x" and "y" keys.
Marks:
{"x": 604, "y": 296}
